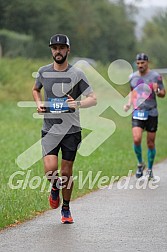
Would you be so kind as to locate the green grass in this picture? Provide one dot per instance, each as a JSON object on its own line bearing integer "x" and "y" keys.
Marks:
{"x": 19, "y": 130}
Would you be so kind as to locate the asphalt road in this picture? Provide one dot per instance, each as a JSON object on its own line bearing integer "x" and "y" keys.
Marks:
{"x": 116, "y": 219}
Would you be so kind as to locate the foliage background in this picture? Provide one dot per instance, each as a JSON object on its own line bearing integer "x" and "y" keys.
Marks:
{"x": 103, "y": 29}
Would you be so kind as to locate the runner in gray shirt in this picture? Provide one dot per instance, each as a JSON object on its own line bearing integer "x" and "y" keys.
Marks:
{"x": 63, "y": 86}
{"x": 145, "y": 86}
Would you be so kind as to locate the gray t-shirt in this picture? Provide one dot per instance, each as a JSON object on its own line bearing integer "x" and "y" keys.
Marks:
{"x": 59, "y": 118}
{"x": 145, "y": 98}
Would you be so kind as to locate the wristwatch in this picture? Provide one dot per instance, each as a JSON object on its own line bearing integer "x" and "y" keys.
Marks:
{"x": 78, "y": 104}
{"x": 158, "y": 91}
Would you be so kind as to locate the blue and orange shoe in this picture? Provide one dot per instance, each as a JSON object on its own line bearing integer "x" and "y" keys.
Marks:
{"x": 54, "y": 198}
{"x": 66, "y": 217}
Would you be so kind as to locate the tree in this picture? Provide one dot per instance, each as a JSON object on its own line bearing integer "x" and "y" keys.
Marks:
{"x": 154, "y": 38}
{"x": 97, "y": 29}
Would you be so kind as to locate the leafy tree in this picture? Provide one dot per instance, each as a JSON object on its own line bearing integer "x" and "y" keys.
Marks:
{"x": 116, "y": 38}
{"x": 154, "y": 39}
{"x": 97, "y": 29}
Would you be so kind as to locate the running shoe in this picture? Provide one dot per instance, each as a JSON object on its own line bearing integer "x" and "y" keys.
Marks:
{"x": 139, "y": 171}
{"x": 66, "y": 217}
{"x": 149, "y": 174}
{"x": 54, "y": 198}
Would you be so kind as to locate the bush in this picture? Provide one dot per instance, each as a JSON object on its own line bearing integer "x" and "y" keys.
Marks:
{"x": 14, "y": 44}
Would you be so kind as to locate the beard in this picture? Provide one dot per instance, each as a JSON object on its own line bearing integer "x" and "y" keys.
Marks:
{"x": 142, "y": 70}
{"x": 60, "y": 61}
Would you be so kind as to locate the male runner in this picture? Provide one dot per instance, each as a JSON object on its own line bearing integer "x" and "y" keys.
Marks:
{"x": 145, "y": 85}
{"x": 63, "y": 86}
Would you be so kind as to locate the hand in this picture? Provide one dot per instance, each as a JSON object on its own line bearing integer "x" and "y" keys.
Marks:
{"x": 126, "y": 107}
{"x": 41, "y": 108}
{"x": 71, "y": 102}
{"x": 155, "y": 87}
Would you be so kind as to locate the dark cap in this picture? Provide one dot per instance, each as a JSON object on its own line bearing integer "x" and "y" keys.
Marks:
{"x": 141, "y": 56}
{"x": 59, "y": 39}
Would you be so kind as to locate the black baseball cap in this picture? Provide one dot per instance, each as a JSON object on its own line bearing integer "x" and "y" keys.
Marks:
{"x": 141, "y": 56}
{"x": 59, "y": 39}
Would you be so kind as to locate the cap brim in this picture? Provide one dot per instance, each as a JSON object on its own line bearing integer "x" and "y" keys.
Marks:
{"x": 58, "y": 44}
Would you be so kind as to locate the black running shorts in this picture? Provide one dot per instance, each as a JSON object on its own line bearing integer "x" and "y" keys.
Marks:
{"x": 150, "y": 125}
{"x": 51, "y": 144}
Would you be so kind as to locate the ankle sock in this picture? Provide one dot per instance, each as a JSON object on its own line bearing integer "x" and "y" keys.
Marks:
{"x": 54, "y": 193}
{"x": 65, "y": 205}
{"x": 56, "y": 184}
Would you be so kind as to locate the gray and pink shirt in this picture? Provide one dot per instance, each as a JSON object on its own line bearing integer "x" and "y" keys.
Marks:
{"x": 144, "y": 97}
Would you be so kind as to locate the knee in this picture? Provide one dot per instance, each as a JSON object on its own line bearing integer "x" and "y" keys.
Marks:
{"x": 65, "y": 172}
{"x": 151, "y": 145}
{"x": 66, "y": 168}
{"x": 136, "y": 141}
{"x": 51, "y": 169}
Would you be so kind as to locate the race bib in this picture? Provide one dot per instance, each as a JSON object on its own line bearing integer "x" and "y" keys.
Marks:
{"x": 58, "y": 105}
{"x": 140, "y": 114}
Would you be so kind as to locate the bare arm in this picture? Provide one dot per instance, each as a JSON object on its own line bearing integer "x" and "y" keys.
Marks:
{"x": 159, "y": 92}
{"x": 128, "y": 105}
{"x": 38, "y": 99}
{"x": 89, "y": 101}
